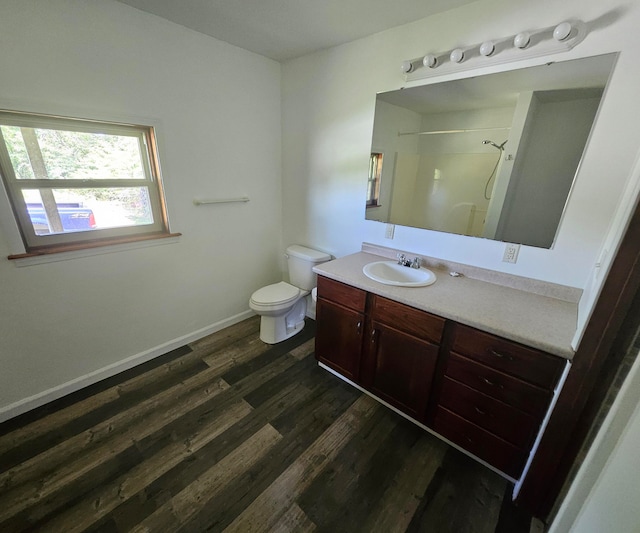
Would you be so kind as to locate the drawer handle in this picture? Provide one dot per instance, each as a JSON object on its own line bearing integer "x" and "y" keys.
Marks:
{"x": 491, "y": 383}
{"x": 373, "y": 335}
{"x": 501, "y": 355}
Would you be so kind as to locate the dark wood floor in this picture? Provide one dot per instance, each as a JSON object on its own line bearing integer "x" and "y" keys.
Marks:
{"x": 229, "y": 434}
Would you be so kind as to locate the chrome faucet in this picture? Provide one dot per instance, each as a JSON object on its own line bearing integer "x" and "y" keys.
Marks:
{"x": 402, "y": 260}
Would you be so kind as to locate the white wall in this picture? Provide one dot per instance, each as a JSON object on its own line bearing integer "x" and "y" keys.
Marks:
{"x": 328, "y": 105}
{"x": 217, "y": 110}
{"x": 613, "y": 503}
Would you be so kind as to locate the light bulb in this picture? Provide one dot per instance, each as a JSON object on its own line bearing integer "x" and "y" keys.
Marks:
{"x": 457, "y": 55}
{"x": 430, "y": 61}
{"x": 487, "y": 48}
{"x": 562, "y": 31}
{"x": 522, "y": 40}
{"x": 407, "y": 66}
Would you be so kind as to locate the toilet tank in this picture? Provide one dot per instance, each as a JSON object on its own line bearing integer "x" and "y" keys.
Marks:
{"x": 301, "y": 261}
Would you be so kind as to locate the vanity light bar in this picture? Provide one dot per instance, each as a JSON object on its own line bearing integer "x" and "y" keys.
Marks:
{"x": 524, "y": 45}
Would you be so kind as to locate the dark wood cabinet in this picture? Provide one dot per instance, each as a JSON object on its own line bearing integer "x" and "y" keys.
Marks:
{"x": 497, "y": 417}
{"x": 398, "y": 368}
{"x": 340, "y": 327}
{"x": 483, "y": 444}
{"x": 400, "y": 355}
{"x": 532, "y": 365}
{"x": 413, "y": 321}
{"x": 484, "y": 393}
{"x": 493, "y": 396}
{"x": 388, "y": 348}
{"x": 499, "y": 385}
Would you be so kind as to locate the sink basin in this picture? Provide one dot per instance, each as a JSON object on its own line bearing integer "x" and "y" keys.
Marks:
{"x": 391, "y": 273}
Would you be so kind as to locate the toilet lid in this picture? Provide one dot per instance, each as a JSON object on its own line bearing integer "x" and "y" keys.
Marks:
{"x": 278, "y": 293}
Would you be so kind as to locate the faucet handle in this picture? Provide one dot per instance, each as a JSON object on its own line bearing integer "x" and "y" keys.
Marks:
{"x": 415, "y": 263}
{"x": 401, "y": 259}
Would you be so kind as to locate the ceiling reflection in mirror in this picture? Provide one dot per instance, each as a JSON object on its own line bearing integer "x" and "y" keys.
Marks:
{"x": 492, "y": 156}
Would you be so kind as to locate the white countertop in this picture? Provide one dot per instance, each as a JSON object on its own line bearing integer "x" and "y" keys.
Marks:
{"x": 532, "y": 319}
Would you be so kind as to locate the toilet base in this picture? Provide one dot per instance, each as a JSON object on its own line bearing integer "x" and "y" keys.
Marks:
{"x": 275, "y": 329}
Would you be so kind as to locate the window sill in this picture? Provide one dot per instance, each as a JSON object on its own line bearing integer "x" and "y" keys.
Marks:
{"x": 72, "y": 251}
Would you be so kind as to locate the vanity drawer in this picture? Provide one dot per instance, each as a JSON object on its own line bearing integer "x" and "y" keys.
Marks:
{"x": 407, "y": 319}
{"x": 342, "y": 294}
{"x": 529, "y": 364}
{"x": 511, "y": 424}
{"x": 497, "y": 452}
{"x": 508, "y": 389}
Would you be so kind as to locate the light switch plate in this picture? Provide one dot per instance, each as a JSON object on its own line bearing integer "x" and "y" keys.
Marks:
{"x": 388, "y": 234}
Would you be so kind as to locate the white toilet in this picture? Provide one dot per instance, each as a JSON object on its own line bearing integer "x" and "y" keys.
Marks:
{"x": 283, "y": 306}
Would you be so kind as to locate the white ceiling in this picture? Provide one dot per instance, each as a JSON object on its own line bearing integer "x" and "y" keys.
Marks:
{"x": 285, "y": 29}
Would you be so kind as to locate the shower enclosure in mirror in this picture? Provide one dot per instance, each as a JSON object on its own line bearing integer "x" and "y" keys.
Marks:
{"x": 492, "y": 156}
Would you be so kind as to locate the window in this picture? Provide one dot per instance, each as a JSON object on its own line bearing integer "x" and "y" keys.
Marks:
{"x": 375, "y": 175}
{"x": 77, "y": 183}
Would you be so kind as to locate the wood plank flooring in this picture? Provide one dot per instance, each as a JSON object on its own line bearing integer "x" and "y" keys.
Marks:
{"x": 230, "y": 434}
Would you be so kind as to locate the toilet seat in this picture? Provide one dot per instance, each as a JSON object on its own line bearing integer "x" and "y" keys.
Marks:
{"x": 275, "y": 296}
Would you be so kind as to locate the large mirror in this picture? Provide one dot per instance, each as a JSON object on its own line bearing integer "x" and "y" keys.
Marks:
{"x": 492, "y": 156}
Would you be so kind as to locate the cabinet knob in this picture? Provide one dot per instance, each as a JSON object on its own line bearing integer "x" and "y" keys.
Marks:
{"x": 373, "y": 335}
{"x": 359, "y": 326}
{"x": 480, "y": 411}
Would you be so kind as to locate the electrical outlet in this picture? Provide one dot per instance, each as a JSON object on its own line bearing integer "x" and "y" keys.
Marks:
{"x": 388, "y": 234}
{"x": 511, "y": 253}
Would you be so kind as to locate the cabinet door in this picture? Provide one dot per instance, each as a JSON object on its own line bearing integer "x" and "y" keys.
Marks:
{"x": 339, "y": 338}
{"x": 399, "y": 369}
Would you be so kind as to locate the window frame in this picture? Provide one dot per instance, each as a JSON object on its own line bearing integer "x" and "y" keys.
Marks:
{"x": 374, "y": 180}
{"x": 76, "y": 240}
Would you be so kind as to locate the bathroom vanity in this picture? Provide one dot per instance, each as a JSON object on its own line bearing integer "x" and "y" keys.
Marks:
{"x": 472, "y": 361}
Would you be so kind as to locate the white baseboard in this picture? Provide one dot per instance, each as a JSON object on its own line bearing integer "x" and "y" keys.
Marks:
{"x": 54, "y": 393}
